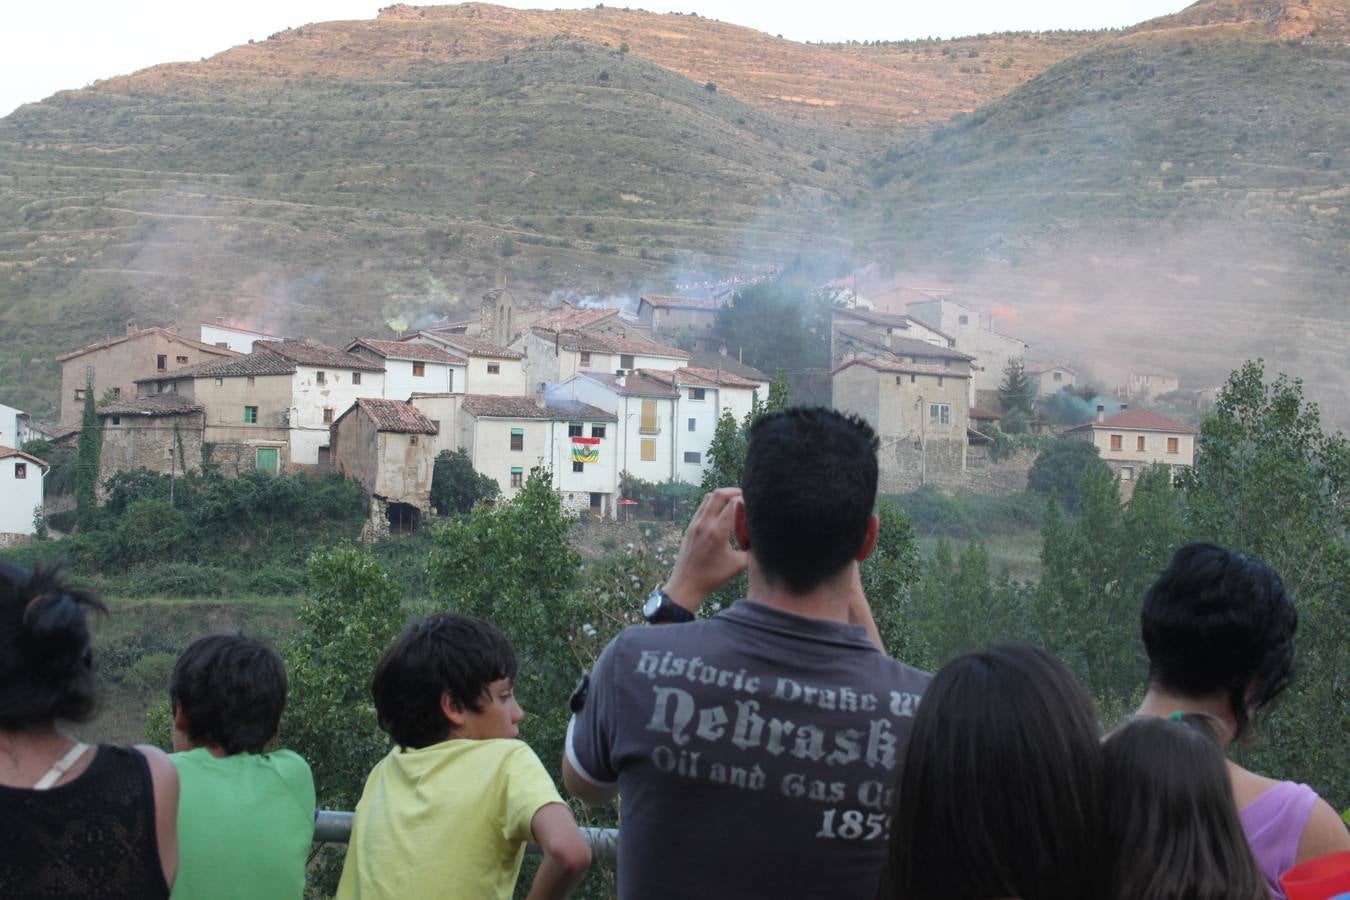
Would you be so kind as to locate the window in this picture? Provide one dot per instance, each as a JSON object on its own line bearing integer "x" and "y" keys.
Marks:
{"x": 21, "y": 470}
{"x": 250, "y": 415}
{"x": 625, "y": 361}
{"x": 1116, "y": 441}
{"x": 219, "y": 382}
{"x": 964, "y": 320}
{"x": 117, "y": 420}
{"x": 266, "y": 460}
{"x": 517, "y": 478}
{"x": 913, "y": 378}
{"x": 117, "y": 393}
{"x": 585, "y": 359}
{"x": 574, "y": 429}
{"x": 1139, "y": 443}
{"x": 692, "y": 458}
{"x": 1058, "y": 376}
{"x": 1127, "y": 473}
{"x": 181, "y": 360}
{"x": 939, "y": 378}
{"x": 419, "y": 369}
{"x": 648, "y": 450}
{"x": 597, "y": 431}
{"x": 578, "y": 466}
{"x": 225, "y": 344}
{"x": 494, "y": 368}
{"x": 412, "y": 440}
{"x": 517, "y": 438}
{"x": 939, "y": 413}
{"x": 693, "y": 424}
{"x": 320, "y": 377}
{"x": 79, "y": 395}
{"x": 250, "y": 381}
{"x": 328, "y": 415}
{"x": 161, "y": 362}
{"x": 648, "y": 422}
{"x": 1173, "y": 445}
{"x": 436, "y": 423}
{"x": 356, "y": 378}
{"x": 697, "y": 393}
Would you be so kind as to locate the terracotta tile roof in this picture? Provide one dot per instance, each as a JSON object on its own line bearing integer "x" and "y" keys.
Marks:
{"x": 901, "y": 368}
{"x": 700, "y": 377}
{"x": 259, "y": 362}
{"x": 495, "y": 407}
{"x": 871, "y": 317}
{"x": 10, "y": 452}
{"x": 153, "y": 405}
{"x": 902, "y": 346}
{"x": 410, "y": 350}
{"x": 396, "y": 416}
{"x": 436, "y": 394}
{"x": 710, "y": 359}
{"x": 308, "y": 353}
{"x": 633, "y": 385}
{"x": 1138, "y": 420}
{"x": 568, "y": 317}
{"x": 663, "y": 302}
{"x": 473, "y": 346}
{"x": 145, "y": 332}
{"x": 608, "y": 343}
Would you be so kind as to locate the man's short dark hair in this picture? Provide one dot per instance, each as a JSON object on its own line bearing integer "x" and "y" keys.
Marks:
{"x": 232, "y": 691}
{"x": 809, "y": 484}
{"x": 442, "y": 654}
{"x": 1218, "y": 622}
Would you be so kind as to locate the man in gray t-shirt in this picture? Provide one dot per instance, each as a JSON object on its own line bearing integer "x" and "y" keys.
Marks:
{"x": 757, "y": 751}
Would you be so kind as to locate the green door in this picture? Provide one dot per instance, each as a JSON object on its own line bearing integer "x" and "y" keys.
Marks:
{"x": 267, "y": 460}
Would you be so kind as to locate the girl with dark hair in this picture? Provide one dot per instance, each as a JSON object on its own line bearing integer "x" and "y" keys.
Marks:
{"x": 96, "y": 823}
{"x": 1218, "y": 628}
{"x": 999, "y": 794}
{"x": 1171, "y": 822}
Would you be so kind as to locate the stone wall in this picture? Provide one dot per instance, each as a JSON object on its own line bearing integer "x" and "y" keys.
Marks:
{"x": 9, "y": 539}
{"x": 150, "y": 442}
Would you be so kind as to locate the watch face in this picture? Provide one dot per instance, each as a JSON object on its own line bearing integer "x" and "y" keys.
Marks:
{"x": 653, "y": 604}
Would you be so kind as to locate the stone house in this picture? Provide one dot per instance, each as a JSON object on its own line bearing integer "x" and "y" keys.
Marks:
{"x": 442, "y": 409}
{"x": 160, "y": 432}
{"x": 553, "y": 356}
{"x": 1151, "y": 383}
{"x": 991, "y": 350}
{"x": 386, "y": 446}
{"x": 492, "y": 368}
{"x": 704, "y": 394}
{"x": 118, "y": 362}
{"x": 644, "y": 408}
{"x": 920, "y": 411}
{"x": 666, "y": 317}
{"x": 16, "y": 427}
{"x": 720, "y": 361}
{"x": 862, "y": 332}
{"x": 1051, "y": 378}
{"x": 411, "y": 367}
{"x": 221, "y": 333}
{"x": 507, "y": 436}
{"x": 21, "y": 477}
{"x": 1134, "y": 439}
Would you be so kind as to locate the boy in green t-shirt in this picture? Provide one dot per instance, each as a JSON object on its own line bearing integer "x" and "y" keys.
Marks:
{"x": 449, "y": 811}
{"x": 245, "y": 817}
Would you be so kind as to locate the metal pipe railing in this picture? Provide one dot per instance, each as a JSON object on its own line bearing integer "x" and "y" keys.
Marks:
{"x": 333, "y": 826}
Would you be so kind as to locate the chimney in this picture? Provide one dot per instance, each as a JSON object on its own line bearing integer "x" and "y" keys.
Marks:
{"x": 220, "y": 320}
{"x": 1101, "y": 413}
{"x": 621, "y": 380}
{"x": 131, "y": 327}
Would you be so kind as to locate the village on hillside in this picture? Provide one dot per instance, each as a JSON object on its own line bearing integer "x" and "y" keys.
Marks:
{"x": 596, "y": 395}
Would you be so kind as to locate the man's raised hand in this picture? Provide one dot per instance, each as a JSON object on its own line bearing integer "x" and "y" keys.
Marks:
{"x": 707, "y": 558}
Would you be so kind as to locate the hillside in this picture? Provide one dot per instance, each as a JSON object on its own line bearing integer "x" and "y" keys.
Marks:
{"x": 1162, "y": 199}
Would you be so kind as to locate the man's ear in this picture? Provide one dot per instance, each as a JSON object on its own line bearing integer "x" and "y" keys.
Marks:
{"x": 739, "y": 528}
{"x": 453, "y": 712}
{"x": 180, "y": 722}
{"x": 870, "y": 539}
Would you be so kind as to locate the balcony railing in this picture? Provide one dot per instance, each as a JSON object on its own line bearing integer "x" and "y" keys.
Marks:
{"x": 333, "y": 826}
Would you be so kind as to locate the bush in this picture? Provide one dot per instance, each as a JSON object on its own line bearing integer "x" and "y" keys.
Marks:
{"x": 1060, "y": 468}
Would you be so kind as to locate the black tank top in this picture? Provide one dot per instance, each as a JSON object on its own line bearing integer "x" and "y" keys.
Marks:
{"x": 92, "y": 838}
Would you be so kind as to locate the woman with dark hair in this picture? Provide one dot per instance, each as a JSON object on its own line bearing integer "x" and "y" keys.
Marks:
{"x": 999, "y": 794}
{"x": 1218, "y": 628}
{"x": 1172, "y": 824}
{"x": 96, "y": 823}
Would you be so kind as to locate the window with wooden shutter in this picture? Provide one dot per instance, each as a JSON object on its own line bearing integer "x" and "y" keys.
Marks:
{"x": 648, "y": 423}
{"x": 648, "y": 450}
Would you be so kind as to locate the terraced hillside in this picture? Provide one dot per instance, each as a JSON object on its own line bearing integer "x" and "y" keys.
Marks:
{"x": 1162, "y": 199}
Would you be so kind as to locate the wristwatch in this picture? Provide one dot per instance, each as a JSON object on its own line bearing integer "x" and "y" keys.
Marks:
{"x": 659, "y": 608}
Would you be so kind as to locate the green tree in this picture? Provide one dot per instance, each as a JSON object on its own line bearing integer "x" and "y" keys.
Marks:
{"x": 89, "y": 450}
{"x": 456, "y": 486}
{"x": 1017, "y": 390}
{"x": 726, "y": 454}
{"x": 1269, "y": 482}
{"x": 764, "y": 322}
{"x": 888, "y": 578}
{"x": 1059, "y": 468}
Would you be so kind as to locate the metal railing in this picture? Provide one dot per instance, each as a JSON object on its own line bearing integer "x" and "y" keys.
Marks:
{"x": 332, "y": 826}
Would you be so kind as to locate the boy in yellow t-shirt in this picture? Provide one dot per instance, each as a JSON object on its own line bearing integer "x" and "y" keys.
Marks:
{"x": 449, "y": 811}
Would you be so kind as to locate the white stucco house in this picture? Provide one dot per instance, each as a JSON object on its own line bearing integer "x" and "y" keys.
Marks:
{"x": 21, "y": 477}
{"x": 411, "y": 367}
{"x": 645, "y": 411}
{"x": 15, "y": 426}
{"x": 704, "y": 394}
{"x": 492, "y": 368}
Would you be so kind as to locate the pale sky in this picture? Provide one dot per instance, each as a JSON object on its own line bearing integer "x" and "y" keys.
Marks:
{"x": 61, "y": 44}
